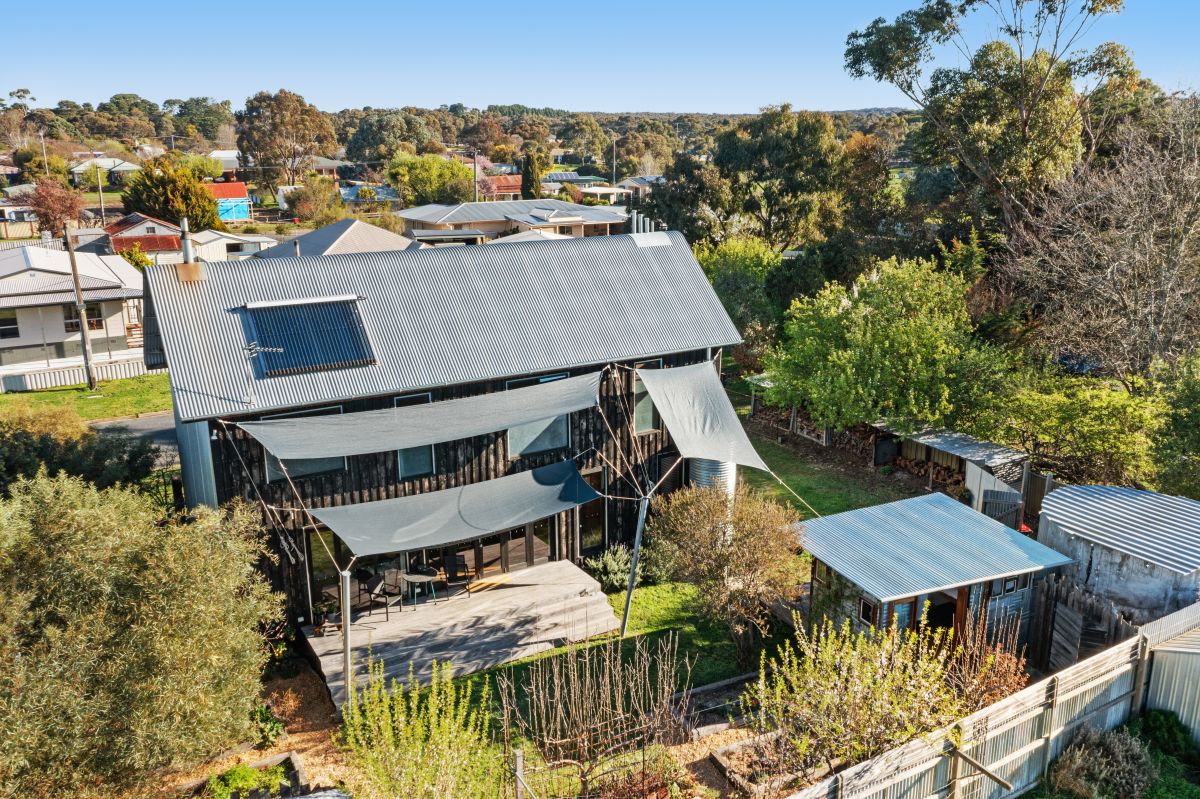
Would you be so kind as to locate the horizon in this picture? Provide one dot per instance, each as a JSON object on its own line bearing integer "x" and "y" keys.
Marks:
{"x": 773, "y": 54}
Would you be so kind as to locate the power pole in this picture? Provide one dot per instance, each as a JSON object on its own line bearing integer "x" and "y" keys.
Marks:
{"x": 45, "y": 160}
{"x": 81, "y": 307}
{"x": 475, "y": 158}
{"x": 614, "y": 161}
{"x": 100, "y": 188}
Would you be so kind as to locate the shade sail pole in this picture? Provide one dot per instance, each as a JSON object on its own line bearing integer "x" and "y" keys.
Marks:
{"x": 637, "y": 549}
{"x": 347, "y": 674}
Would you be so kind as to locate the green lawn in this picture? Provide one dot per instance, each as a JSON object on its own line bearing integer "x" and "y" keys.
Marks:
{"x": 112, "y": 199}
{"x": 113, "y": 398}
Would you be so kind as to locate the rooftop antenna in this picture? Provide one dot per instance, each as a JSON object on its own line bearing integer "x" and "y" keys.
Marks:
{"x": 252, "y": 351}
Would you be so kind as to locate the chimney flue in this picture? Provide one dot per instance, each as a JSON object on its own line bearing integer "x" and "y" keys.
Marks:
{"x": 185, "y": 240}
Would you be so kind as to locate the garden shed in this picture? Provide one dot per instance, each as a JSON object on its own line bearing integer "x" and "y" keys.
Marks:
{"x": 883, "y": 563}
{"x": 1139, "y": 549}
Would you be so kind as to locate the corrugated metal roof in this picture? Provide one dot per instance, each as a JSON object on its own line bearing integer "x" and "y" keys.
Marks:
{"x": 1188, "y": 642}
{"x": 920, "y": 545}
{"x": 438, "y": 214}
{"x": 442, "y": 316}
{"x": 67, "y": 297}
{"x": 969, "y": 448}
{"x": 1158, "y": 528}
{"x": 233, "y": 190}
{"x": 150, "y": 243}
{"x": 340, "y": 238}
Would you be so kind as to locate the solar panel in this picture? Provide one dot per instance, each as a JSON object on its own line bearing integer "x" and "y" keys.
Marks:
{"x": 309, "y": 336}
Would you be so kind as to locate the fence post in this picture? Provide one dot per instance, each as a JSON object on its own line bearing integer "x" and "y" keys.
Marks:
{"x": 519, "y": 772}
{"x": 792, "y": 421}
{"x": 1051, "y": 712}
{"x": 1137, "y": 695}
{"x": 955, "y": 763}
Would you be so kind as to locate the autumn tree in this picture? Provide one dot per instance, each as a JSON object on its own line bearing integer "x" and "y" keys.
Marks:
{"x": 281, "y": 133}
{"x": 168, "y": 189}
{"x": 1112, "y": 261}
{"x": 317, "y": 201}
{"x": 738, "y": 551}
{"x": 1020, "y": 115}
{"x": 54, "y": 204}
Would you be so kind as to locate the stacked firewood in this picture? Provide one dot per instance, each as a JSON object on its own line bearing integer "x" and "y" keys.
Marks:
{"x": 944, "y": 478}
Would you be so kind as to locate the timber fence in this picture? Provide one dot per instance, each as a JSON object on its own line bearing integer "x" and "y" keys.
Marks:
{"x": 1003, "y": 750}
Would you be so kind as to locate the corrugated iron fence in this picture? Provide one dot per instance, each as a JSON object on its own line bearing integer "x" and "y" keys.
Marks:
{"x": 73, "y": 375}
{"x": 1017, "y": 738}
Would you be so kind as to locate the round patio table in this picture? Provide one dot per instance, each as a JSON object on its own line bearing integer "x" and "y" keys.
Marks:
{"x": 424, "y": 579}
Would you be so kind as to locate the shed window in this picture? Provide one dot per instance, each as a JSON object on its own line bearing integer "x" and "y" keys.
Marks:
{"x": 866, "y": 610}
{"x": 542, "y": 435}
{"x": 309, "y": 336}
{"x": 414, "y": 461}
{"x": 95, "y": 317}
{"x": 645, "y": 418}
{"x": 8, "y": 324}
{"x": 302, "y": 467}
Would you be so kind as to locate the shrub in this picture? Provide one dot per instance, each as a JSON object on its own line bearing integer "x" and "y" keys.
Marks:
{"x": 1164, "y": 731}
{"x": 250, "y": 229}
{"x": 1104, "y": 765}
{"x": 131, "y": 644}
{"x": 241, "y": 781}
{"x": 611, "y": 568}
{"x": 658, "y": 563}
{"x": 267, "y": 728}
{"x": 281, "y": 229}
{"x": 428, "y": 743}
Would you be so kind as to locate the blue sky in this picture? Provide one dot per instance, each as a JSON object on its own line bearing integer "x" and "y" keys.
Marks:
{"x": 733, "y": 56}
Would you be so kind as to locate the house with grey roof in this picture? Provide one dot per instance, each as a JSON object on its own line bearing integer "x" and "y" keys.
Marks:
{"x": 113, "y": 170}
{"x": 340, "y": 238}
{"x": 38, "y": 319}
{"x": 883, "y": 563}
{"x": 640, "y": 186}
{"x": 517, "y": 216}
{"x": 1139, "y": 549}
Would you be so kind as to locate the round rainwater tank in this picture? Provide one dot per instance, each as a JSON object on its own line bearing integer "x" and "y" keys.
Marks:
{"x": 720, "y": 474}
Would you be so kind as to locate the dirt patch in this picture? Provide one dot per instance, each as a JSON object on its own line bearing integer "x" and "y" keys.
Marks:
{"x": 302, "y": 703}
{"x": 694, "y": 756}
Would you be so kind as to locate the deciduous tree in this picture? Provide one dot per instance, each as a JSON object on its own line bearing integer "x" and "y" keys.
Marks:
{"x": 54, "y": 203}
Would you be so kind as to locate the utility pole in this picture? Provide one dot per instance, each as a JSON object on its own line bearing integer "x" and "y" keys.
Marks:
{"x": 475, "y": 158}
{"x": 614, "y": 161}
{"x": 45, "y": 160}
{"x": 100, "y": 188}
{"x": 81, "y": 307}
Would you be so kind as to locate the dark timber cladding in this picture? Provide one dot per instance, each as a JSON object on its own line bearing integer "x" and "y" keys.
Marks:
{"x": 367, "y": 478}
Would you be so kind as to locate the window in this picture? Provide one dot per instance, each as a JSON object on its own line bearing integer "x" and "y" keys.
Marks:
{"x": 564, "y": 230}
{"x": 645, "y": 418}
{"x": 95, "y": 317}
{"x": 302, "y": 467}
{"x": 1010, "y": 585}
{"x": 902, "y": 614}
{"x": 820, "y": 572}
{"x": 151, "y": 230}
{"x": 309, "y": 335}
{"x": 542, "y": 435}
{"x": 8, "y": 324}
{"x": 414, "y": 461}
{"x": 866, "y": 610}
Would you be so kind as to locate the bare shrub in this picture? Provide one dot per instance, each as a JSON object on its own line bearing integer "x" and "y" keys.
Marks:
{"x": 1104, "y": 765}
{"x": 988, "y": 663}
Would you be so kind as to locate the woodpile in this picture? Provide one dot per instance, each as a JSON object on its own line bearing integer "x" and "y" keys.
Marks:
{"x": 945, "y": 479}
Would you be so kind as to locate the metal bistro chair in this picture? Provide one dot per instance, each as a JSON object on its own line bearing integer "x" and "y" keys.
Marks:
{"x": 377, "y": 592}
{"x": 457, "y": 573}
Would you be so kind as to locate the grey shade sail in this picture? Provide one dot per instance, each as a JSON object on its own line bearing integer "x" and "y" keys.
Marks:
{"x": 694, "y": 407}
{"x": 418, "y": 425}
{"x": 458, "y": 514}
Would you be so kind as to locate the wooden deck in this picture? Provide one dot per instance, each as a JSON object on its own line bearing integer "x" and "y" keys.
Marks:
{"x": 516, "y": 615}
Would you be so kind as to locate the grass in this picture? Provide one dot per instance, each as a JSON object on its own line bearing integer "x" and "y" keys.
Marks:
{"x": 112, "y": 398}
{"x": 112, "y": 199}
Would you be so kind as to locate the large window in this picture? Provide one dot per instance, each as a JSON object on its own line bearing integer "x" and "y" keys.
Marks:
{"x": 8, "y": 324}
{"x": 301, "y": 467}
{"x": 645, "y": 418}
{"x": 309, "y": 335}
{"x": 414, "y": 461}
{"x": 95, "y": 317}
{"x": 542, "y": 435}
{"x": 866, "y": 610}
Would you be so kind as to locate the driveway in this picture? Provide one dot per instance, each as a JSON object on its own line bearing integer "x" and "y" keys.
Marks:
{"x": 157, "y": 428}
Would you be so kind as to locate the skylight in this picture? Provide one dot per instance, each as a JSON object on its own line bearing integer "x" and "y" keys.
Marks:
{"x": 308, "y": 335}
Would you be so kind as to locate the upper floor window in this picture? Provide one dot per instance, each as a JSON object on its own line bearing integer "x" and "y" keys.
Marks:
{"x": 414, "y": 461}
{"x": 8, "y": 324}
{"x": 301, "y": 467}
{"x": 542, "y": 435}
{"x": 645, "y": 417}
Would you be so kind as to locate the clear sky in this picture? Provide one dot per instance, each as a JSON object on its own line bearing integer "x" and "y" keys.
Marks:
{"x": 733, "y": 56}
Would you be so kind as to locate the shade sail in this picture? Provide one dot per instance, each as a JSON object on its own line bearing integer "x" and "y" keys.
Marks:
{"x": 457, "y": 514}
{"x": 417, "y": 425}
{"x": 694, "y": 407}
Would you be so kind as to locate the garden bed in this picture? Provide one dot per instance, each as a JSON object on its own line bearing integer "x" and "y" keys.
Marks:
{"x": 743, "y": 765}
{"x": 294, "y": 780}
{"x": 715, "y": 707}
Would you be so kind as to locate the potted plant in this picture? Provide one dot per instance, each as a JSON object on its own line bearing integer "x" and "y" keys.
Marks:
{"x": 324, "y": 613}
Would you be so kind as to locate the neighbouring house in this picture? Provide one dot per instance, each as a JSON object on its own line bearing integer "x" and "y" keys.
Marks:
{"x": 426, "y": 343}
{"x": 883, "y": 563}
{"x": 139, "y": 224}
{"x": 231, "y": 162}
{"x": 113, "y": 170}
{"x": 502, "y": 187}
{"x": 326, "y": 167}
{"x": 581, "y": 181}
{"x": 358, "y": 194}
{"x": 343, "y": 237}
{"x": 529, "y": 235}
{"x": 38, "y": 319}
{"x": 217, "y": 245}
{"x": 608, "y": 194}
{"x": 233, "y": 200}
{"x": 640, "y": 186}
{"x": 494, "y": 218}
{"x": 158, "y": 239}
{"x": 1139, "y": 549}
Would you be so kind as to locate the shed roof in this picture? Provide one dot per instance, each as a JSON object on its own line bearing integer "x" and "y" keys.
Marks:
{"x": 438, "y": 214}
{"x": 1158, "y": 528}
{"x": 1188, "y": 643}
{"x": 232, "y": 190}
{"x": 921, "y": 545}
{"x": 150, "y": 243}
{"x": 969, "y": 448}
{"x": 442, "y": 316}
{"x": 340, "y": 238}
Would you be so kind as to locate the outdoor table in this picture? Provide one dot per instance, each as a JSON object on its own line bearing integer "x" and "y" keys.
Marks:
{"x": 427, "y": 579}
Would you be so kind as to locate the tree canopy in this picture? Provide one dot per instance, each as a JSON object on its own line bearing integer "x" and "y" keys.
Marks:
{"x": 280, "y": 133}
{"x": 168, "y": 189}
{"x": 431, "y": 179}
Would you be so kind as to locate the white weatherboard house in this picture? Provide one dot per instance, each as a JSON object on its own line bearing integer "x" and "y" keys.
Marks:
{"x": 38, "y": 319}
{"x": 1139, "y": 549}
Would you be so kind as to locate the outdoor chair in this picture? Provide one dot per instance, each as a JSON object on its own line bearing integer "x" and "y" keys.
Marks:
{"x": 376, "y": 591}
{"x": 457, "y": 573}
